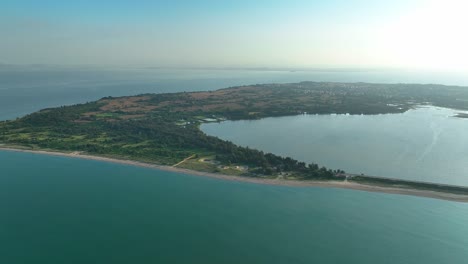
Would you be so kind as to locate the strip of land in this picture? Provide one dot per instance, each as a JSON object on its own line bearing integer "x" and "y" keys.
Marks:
{"x": 260, "y": 180}
{"x": 161, "y": 130}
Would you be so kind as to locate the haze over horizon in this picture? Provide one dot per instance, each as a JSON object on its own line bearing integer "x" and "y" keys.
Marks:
{"x": 415, "y": 34}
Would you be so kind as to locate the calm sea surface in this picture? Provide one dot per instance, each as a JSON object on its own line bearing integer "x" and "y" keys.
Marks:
{"x": 425, "y": 144}
{"x": 27, "y": 89}
{"x": 62, "y": 210}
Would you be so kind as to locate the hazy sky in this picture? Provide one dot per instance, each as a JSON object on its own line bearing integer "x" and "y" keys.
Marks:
{"x": 251, "y": 33}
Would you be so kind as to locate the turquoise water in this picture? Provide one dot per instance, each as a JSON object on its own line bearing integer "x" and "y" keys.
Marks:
{"x": 424, "y": 144}
{"x": 62, "y": 210}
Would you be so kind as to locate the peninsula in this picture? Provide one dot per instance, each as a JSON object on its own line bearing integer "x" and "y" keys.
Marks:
{"x": 162, "y": 130}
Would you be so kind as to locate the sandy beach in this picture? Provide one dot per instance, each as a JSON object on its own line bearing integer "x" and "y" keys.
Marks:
{"x": 283, "y": 182}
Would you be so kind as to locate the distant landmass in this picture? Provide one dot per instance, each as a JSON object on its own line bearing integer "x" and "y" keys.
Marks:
{"x": 163, "y": 129}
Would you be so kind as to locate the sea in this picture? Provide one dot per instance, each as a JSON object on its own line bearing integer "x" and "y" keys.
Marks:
{"x": 66, "y": 210}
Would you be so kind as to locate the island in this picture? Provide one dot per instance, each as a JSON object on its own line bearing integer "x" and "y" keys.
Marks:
{"x": 162, "y": 131}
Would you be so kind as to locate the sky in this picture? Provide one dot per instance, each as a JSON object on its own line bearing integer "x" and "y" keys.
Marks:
{"x": 419, "y": 34}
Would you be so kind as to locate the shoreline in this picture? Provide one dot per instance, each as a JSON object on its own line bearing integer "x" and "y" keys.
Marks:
{"x": 292, "y": 183}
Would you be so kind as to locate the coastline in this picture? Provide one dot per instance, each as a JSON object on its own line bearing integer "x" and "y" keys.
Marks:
{"x": 281, "y": 182}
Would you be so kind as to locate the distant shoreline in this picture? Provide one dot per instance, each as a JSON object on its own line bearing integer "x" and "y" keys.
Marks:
{"x": 282, "y": 182}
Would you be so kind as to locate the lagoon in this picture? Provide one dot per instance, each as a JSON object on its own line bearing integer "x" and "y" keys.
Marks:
{"x": 424, "y": 144}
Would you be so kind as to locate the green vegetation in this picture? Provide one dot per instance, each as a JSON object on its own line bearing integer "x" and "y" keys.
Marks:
{"x": 164, "y": 128}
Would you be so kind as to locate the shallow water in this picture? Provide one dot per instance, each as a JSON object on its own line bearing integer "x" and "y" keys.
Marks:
{"x": 423, "y": 144}
{"x": 63, "y": 210}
